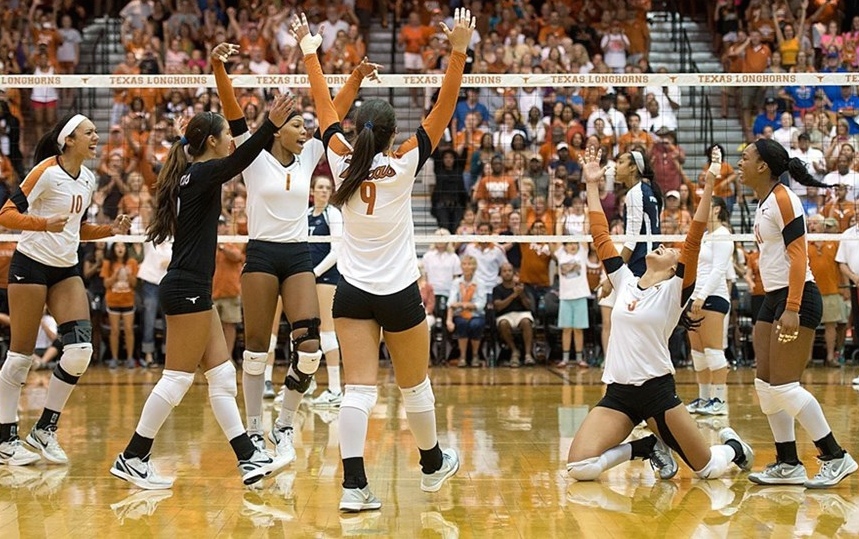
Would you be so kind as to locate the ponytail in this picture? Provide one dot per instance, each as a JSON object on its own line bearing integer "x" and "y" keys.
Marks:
{"x": 163, "y": 225}
{"x": 377, "y": 125}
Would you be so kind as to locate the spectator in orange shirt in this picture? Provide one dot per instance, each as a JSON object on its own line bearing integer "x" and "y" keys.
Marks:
{"x": 496, "y": 189}
{"x": 673, "y": 211}
{"x": 552, "y": 27}
{"x": 226, "y": 283}
{"x": 635, "y": 136}
{"x": 413, "y": 37}
{"x": 827, "y": 275}
{"x": 840, "y": 209}
{"x": 725, "y": 186}
{"x": 119, "y": 272}
{"x": 637, "y": 31}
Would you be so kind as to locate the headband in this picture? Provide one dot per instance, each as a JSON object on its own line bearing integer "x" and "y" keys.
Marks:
{"x": 68, "y": 129}
{"x": 639, "y": 160}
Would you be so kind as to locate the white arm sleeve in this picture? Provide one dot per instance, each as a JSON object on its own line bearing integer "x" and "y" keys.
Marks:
{"x": 335, "y": 223}
{"x": 722, "y": 253}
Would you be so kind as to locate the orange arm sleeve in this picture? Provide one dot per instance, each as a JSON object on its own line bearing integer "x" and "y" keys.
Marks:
{"x": 346, "y": 96}
{"x": 232, "y": 110}
{"x": 325, "y": 110}
{"x": 442, "y": 112}
{"x": 95, "y": 232}
{"x": 602, "y": 241}
{"x": 12, "y": 219}
{"x": 689, "y": 254}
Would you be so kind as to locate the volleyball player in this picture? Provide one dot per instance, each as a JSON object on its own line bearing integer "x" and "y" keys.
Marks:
{"x": 323, "y": 219}
{"x": 49, "y": 207}
{"x": 640, "y": 216}
{"x": 188, "y": 205}
{"x": 638, "y": 369}
{"x": 378, "y": 289}
{"x": 711, "y": 302}
{"x": 278, "y": 257}
{"x": 791, "y": 311}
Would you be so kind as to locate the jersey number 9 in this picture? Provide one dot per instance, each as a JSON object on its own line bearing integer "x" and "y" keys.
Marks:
{"x": 368, "y": 195}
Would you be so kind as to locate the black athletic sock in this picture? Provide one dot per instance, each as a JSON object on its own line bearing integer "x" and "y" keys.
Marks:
{"x": 8, "y": 432}
{"x": 829, "y": 448}
{"x": 739, "y": 454}
{"x": 786, "y": 452}
{"x": 353, "y": 473}
{"x": 49, "y": 420}
{"x": 642, "y": 448}
{"x": 243, "y": 447}
{"x": 431, "y": 459}
{"x": 138, "y": 447}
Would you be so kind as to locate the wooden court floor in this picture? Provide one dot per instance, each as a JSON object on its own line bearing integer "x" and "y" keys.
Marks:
{"x": 512, "y": 429}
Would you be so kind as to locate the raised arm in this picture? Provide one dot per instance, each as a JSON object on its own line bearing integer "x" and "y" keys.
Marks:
{"x": 592, "y": 173}
{"x": 687, "y": 267}
{"x": 232, "y": 110}
{"x": 325, "y": 110}
{"x": 346, "y": 96}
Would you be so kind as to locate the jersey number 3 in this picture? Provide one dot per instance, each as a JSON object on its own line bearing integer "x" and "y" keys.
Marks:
{"x": 368, "y": 195}
{"x": 77, "y": 204}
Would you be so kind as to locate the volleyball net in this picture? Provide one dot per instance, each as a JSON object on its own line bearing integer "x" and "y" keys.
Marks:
{"x": 688, "y": 116}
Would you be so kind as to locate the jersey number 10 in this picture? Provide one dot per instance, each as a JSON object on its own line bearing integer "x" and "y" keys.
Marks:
{"x": 77, "y": 204}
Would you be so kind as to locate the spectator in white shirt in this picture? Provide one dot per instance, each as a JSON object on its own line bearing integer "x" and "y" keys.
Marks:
{"x": 787, "y": 134}
{"x": 814, "y": 161}
{"x": 843, "y": 175}
{"x": 615, "y": 123}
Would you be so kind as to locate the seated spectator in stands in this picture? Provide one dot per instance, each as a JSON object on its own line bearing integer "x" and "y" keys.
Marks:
{"x": 465, "y": 311}
{"x": 573, "y": 293}
{"x": 673, "y": 212}
{"x": 841, "y": 141}
{"x": 564, "y": 160}
{"x": 832, "y": 64}
{"x": 495, "y": 189}
{"x": 136, "y": 195}
{"x": 606, "y": 138}
{"x": 841, "y": 209}
{"x": 489, "y": 257}
{"x": 770, "y": 117}
{"x": 573, "y": 219}
{"x": 615, "y": 123}
{"x": 814, "y": 161}
{"x": 513, "y": 309}
{"x": 471, "y": 105}
{"x": 668, "y": 157}
{"x": 635, "y": 136}
{"x": 844, "y": 175}
{"x": 537, "y": 174}
{"x": 548, "y": 151}
{"x": 847, "y": 107}
{"x": 535, "y": 129}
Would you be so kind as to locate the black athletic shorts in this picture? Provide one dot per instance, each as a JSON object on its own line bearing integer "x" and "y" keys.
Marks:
{"x": 810, "y": 310}
{"x": 185, "y": 292}
{"x": 639, "y": 403}
{"x": 25, "y": 270}
{"x": 395, "y": 312}
{"x": 332, "y": 277}
{"x": 283, "y": 260}
{"x": 717, "y": 304}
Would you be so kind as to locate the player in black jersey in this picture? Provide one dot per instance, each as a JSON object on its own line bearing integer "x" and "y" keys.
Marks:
{"x": 188, "y": 204}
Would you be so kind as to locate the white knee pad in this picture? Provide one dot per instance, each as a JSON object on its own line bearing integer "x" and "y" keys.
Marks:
{"x": 173, "y": 385}
{"x": 769, "y": 406}
{"x": 360, "y": 397}
{"x": 328, "y": 341}
{"x": 76, "y": 358}
{"x": 715, "y": 359}
{"x": 585, "y": 470}
{"x": 222, "y": 380}
{"x": 720, "y": 460}
{"x": 699, "y": 361}
{"x": 253, "y": 363}
{"x": 16, "y": 368}
{"x": 308, "y": 362}
{"x": 419, "y": 398}
{"x": 792, "y": 397}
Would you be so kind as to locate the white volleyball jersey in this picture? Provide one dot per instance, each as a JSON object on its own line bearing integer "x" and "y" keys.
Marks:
{"x": 278, "y": 195}
{"x": 50, "y": 191}
{"x": 377, "y": 254}
{"x": 714, "y": 261}
{"x": 780, "y": 234}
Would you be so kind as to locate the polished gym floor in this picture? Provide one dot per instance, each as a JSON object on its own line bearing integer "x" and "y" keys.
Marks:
{"x": 512, "y": 429}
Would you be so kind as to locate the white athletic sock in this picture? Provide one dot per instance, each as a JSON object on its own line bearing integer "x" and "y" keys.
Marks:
{"x": 253, "y": 386}
{"x": 290, "y": 404}
{"x": 333, "y": 378}
{"x": 269, "y": 371}
{"x": 222, "y": 398}
{"x": 704, "y": 392}
{"x": 719, "y": 391}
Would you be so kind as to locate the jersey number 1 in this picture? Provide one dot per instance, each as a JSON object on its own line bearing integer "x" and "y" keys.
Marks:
{"x": 77, "y": 204}
{"x": 288, "y": 181}
{"x": 368, "y": 195}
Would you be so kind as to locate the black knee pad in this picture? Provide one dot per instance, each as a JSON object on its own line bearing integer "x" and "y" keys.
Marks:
{"x": 297, "y": 381}
{"x": 75, "y": 332}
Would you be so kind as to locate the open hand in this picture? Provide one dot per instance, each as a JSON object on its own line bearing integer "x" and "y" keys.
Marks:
{"x": 369, "y": 69}
{"x": 463, "y": 27}
{"x": 301, "y": 31}
{"x": 592, "y": 172}
{"x": 281, "y": 108}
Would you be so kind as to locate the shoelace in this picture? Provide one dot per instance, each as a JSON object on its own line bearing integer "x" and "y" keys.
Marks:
{"x": 656, "y": 460}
